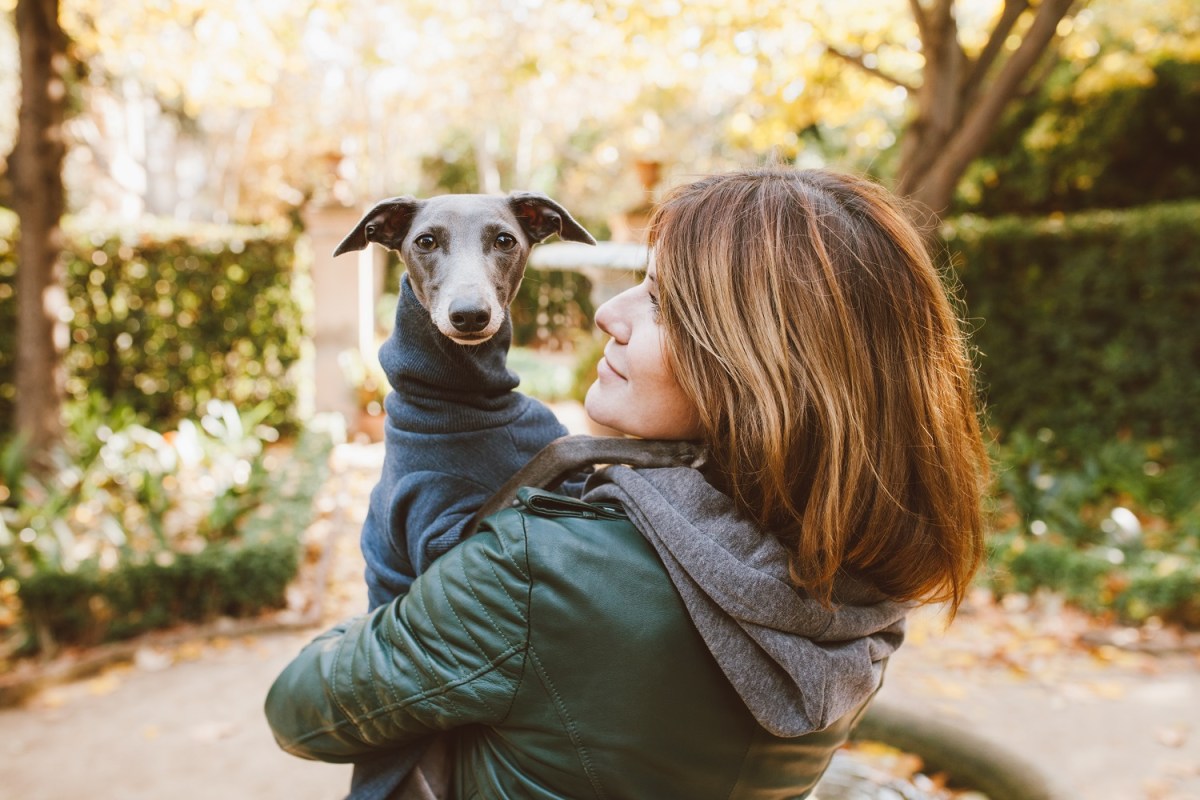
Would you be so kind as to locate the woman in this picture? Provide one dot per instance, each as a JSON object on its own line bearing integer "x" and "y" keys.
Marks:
{"x": 710, "y": 632}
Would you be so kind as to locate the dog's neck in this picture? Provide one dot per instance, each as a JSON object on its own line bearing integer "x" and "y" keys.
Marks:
{"x": 427, "y": 368}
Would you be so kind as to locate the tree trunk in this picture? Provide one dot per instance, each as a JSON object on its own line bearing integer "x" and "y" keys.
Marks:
{"x": 39, "y": 201}
{"x": 959, "y": 101}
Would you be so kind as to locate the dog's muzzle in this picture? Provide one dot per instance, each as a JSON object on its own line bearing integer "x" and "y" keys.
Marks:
{"x": 469, "y": 317}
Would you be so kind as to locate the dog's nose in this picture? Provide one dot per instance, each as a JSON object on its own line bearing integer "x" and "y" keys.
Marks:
{"x": 469, "y": 317}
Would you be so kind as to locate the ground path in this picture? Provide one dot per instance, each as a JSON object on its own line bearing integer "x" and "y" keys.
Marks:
{"x": 185, "y": 722}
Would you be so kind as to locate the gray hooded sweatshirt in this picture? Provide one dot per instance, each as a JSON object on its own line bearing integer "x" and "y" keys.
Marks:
{"x": 798, "y": 665}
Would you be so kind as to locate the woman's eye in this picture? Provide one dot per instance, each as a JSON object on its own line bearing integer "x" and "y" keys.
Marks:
{"x": 506, "y": 241}
{"x": 425, "y": 241}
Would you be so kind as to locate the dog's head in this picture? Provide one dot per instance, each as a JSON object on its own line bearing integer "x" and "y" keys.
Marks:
{"x": 465, "y": 253}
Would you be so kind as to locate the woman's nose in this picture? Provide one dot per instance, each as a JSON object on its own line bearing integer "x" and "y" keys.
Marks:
{"x": 609, "y": 318}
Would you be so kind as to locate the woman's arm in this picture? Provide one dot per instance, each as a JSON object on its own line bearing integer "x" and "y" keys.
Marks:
{"x": 449, "y": 653}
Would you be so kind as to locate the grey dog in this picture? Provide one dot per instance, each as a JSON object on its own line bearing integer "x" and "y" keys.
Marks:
{"x": 465, "y": 253}
{"x": 465, "y": 256}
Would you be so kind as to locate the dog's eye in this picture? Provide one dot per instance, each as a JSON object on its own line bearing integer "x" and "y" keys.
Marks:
{"x": 506, "y": 241}
{"x": 425, "y": 241}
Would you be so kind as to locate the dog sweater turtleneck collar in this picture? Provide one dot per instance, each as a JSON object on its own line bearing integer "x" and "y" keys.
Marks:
{"x": 441, "y": 385}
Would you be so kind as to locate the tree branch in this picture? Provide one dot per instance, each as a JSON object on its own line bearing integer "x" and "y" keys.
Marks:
{"x": 1013, "y": 9}
{"x": 980, "y": 120}
{"x": 941, "y": 15}
{"x": 1033, "y": 45}
{"x": 857, "y": 60}
{"x": 918, "y": 12}
{"x": 1050, "y": 60}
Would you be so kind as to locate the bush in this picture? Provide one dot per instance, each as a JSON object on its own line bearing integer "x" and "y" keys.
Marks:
{"x": 1068, "y": 149}
{"x": 151, "y": 529}
{"x": 90, "y": 606}
{"x": 165, "y": 320}
{"x": 1083, "y": 323}
{"x": 550, "y": 308}
{"x": 1115, "y": 530}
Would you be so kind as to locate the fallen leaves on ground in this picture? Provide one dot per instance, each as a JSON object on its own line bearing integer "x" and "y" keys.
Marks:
{"x": 1042, "y": 641}
{"x": 878, "y": 771}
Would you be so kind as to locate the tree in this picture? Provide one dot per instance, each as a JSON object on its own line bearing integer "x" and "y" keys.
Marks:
{"x": 1116, "y": 125}
{"x": 258, "y": 105}
{"x": 955, "y": 79}
{"x": 39, "y": 200}
{"x": 960, "y": 98}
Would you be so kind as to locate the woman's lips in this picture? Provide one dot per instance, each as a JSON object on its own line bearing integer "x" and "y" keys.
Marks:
{"x": 603, "y": 367}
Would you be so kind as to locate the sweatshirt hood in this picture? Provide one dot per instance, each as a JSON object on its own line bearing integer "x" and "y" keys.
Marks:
{"x": 796, "y": 664}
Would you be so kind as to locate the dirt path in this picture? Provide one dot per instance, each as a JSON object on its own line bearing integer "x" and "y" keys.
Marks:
{"x": 1107, "y": 723}
{"x": 187, "y": 723}
{"x": 189, "y": 729}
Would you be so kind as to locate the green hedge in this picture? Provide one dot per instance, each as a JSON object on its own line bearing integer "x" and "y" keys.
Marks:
{"x": 167, "y": 318}
{"x": 550, "y": 307}
{"x": 240, "y": 576}
{"x": 89, "y": 607}
{"x": 1154, "y": 585}
{"x": 1086, "y": 324}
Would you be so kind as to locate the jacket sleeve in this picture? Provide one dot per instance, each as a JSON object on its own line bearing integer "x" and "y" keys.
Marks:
{"x": 451, "y": 652}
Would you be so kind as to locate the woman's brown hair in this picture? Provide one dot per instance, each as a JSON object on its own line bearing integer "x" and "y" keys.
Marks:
{"x": 806, "y": 320}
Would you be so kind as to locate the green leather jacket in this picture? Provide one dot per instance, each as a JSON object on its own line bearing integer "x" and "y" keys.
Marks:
{"x": 556, "y": 649}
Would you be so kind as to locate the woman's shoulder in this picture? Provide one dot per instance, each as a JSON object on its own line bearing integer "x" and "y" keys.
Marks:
{"x": 560, "y": 535}
{"x": 539, "y": 518}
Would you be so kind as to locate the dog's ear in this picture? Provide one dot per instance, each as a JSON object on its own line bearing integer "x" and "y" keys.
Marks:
{"x": 386, "y": 224}
{"x": 540, "y": 216}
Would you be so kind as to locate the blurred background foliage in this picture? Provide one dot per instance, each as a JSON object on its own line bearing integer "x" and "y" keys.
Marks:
{"x": 1069, "y": 149}
{"x": 1114, "y": 528}
{"x": 1077, "y": 319}
{"x": 134, "y": 529}
{"x": 165, "y": 316}
{"x": 1072, "y": 240}
{"x": 222, "y": 110}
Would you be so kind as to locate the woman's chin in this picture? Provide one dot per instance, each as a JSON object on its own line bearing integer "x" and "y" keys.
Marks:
{"x": 593, "y": 409}
{"x": 599, "y": 421}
